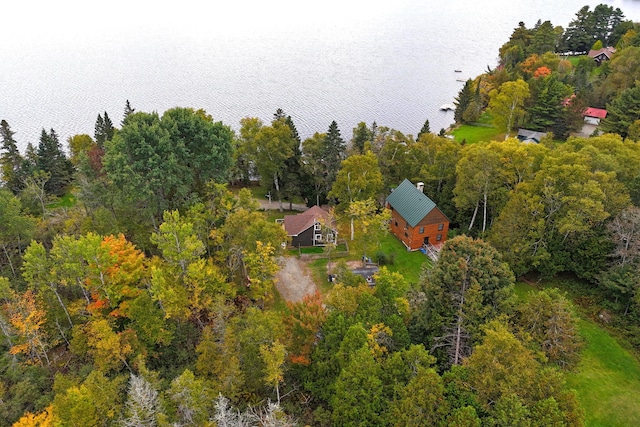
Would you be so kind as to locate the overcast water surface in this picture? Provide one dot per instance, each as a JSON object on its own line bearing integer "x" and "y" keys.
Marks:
{"x": 392, "y": 62}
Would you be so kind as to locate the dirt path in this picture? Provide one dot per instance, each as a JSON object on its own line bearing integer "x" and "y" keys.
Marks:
{"x": 294, "y": 279}
{"x": 274, "y": 205}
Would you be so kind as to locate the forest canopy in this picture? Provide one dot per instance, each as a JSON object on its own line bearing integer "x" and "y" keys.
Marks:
{"x": 138, "y": 272}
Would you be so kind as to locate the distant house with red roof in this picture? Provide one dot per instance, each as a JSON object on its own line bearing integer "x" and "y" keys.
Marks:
{"x": 601, "y": 55}
{"x": 310, "y": 228}
{"x": 593, "y": 116}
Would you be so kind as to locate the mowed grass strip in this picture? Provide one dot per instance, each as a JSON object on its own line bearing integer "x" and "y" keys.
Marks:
{"x": 607, "y": 380}
{"x": 474, "y": 134}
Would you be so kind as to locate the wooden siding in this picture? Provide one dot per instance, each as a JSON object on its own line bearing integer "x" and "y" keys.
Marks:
{"x": 303, "y": 239}
{"x": 412, "y": 238}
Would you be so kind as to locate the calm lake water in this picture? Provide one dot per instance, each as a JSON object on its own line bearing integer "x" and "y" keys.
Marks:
{"x": 392, "y": 62}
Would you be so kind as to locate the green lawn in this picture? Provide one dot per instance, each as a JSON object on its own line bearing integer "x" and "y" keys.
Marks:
{"x": 607, "y": 379}
{"x": 473, "y": 134}
{"x": 408, "y": 263}
{"x": 66, "y": 201}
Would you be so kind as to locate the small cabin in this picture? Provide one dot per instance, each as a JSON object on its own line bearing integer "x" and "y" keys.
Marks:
{"x": 310, "y": 228}
{"x": 415, "y": 218}
{"x": 601, "y": 55}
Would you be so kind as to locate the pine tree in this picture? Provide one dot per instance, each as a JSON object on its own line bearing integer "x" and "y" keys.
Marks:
{"x": 10, "y": 160}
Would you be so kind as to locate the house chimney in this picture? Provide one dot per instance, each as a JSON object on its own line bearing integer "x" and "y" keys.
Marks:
{"x": 420, "y": 186}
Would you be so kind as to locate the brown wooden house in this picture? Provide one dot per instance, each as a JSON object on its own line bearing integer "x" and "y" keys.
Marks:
{"x": 602, "y": 55}
{"x": 310, "y": 228}
{"x": 415, "y": 218}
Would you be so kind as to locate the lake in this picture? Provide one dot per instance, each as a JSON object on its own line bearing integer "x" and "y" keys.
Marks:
{"x": 392, "y": 62}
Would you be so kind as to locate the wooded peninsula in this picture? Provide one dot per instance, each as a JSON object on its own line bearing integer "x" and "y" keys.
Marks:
{"x": 140, "y": 268}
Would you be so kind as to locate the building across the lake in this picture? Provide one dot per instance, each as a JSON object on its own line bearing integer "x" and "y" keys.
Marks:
{"x": 601, "y": 55}
{"x": 415, "y": 218}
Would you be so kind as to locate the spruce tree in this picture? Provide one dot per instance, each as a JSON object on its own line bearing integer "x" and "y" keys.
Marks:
{"x": 10, "y": 160}
{"x": 333, "y": 154}
{"x": 425, "y": 129}
{"x": 109, "y": 130}
{"x": 462, "y": 101}
{"x": 51, "y": 159}
{"x": 361, "y": 134}
{"x": 128, "y": 110}
{"x": 99, "y": 131}
{"x": 293, "y": 177}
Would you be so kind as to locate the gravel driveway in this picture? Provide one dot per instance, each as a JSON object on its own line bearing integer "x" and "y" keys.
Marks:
{"x": 294, "y": 279}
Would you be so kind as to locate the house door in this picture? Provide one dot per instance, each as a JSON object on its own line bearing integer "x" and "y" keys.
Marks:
{"x": 426, "y": 241}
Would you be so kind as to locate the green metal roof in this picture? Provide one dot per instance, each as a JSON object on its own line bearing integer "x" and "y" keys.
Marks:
{"x": 412, "y": 204}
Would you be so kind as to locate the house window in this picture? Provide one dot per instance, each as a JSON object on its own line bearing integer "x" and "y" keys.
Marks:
{"x": 421, "y": 230}
{"x": 318, "y": 237}
{"x": 405, "y": 234}
{"x": 439, "y": 237}
{"x": 440, "y": 227}
{"x": 396, "y": 223}
{"x": 316, "y": 226}
{"x": 406, "y": 225}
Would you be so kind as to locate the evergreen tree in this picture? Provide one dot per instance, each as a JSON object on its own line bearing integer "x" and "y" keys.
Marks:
{"x": 425, "y": 129}
{"x": 99, "y": 133}
{"x": 52, "y": 160}
{"x": 358, "y": 398}
{"x": 517, "y": 48}
{"x": 577, "y": 38}
{"x": 361, "y": 135}
{"x": 109, "y": 130}
{"x": 545, "y": 38}
{"x": 294, "y": 131}
{"x": 104, "y": 130}
{"x": 128, "y": 110}
{"x": 279, "y": 114}
{"x": 333, "y": 153}
{"x": 468, "y": 286}
{"x": 293, "y": 179}
{"x": 10, "y": 160}
{"x": 462, "y": 101}
{"x": 622, "y": 112}
{"x": 546, "y": 102}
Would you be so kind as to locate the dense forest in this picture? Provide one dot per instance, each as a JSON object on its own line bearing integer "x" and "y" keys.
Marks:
{"x": 137, "y": 272}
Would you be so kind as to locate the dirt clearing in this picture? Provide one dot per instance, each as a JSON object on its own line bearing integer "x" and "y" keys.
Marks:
{"x": 294, "y": 279}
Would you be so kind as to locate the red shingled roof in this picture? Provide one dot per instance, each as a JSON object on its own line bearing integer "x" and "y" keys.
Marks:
{"x": 608, "y": 51}
{"x": 296, "y": 224}
{"x": 595, "y": 112}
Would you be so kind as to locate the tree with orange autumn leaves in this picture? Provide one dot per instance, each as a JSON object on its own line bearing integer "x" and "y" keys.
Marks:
{"x": 303, "y": 323}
